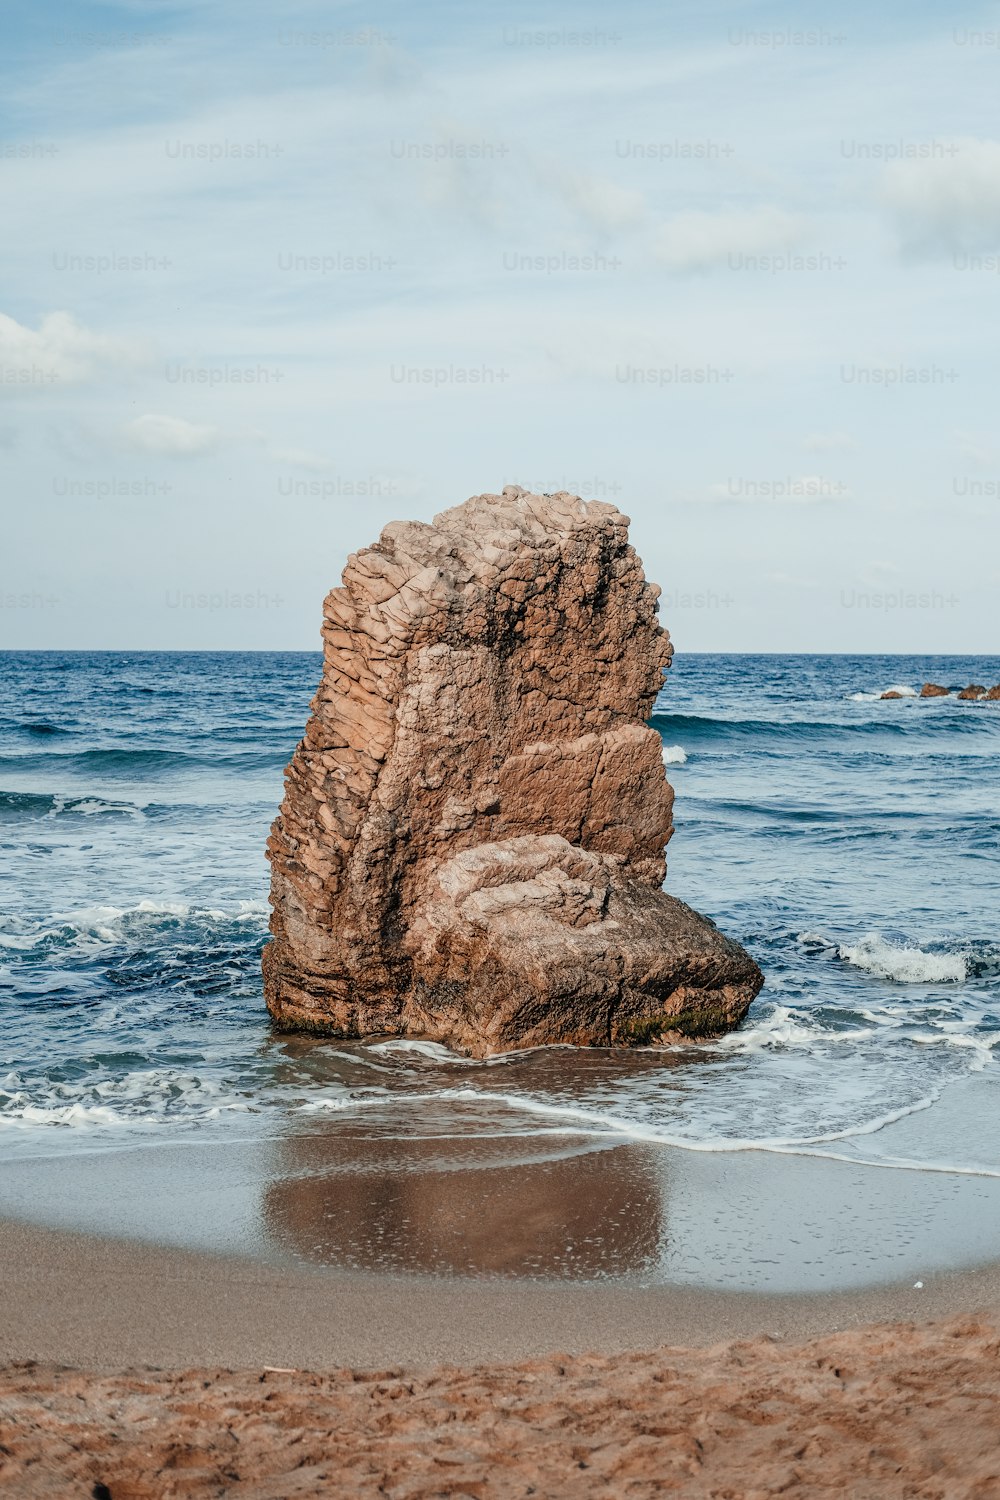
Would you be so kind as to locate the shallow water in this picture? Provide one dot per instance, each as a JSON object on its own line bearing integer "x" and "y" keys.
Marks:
{"x": 851, "y": 844}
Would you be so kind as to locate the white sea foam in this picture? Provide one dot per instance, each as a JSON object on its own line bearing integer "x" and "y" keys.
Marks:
{"x": 90, "y": 807}
{"x": 959, "y": 1034}
{"x": 674, "y": 755}
{"x": 111, "y": 924}
{"x": 593, "y": 1123}
{"x": 784, "y": 1027}
{"x": 437, "y": 1052}
{"x": 600, "y": 1122}
{"x": 573, "y": 1120}
{"x": 149, "y": 1097}
{"x": 901, "y": 688}
{"x": 904, "y": 964}
{"x": 434, "y": 1050}
{"x": 82, "y": 1116}
{"x": 815, "y": 940}
{"x": 20, "y": 941}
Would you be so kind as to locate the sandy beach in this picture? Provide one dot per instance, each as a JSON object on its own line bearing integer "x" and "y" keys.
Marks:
{"x": 323, "y": 1315}
{"x": 157, "y": 1372}
{"x": 104, "y": 1304}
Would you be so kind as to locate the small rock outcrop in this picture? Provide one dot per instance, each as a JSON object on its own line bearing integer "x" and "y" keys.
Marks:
{"x": 471, "y": 844}
{"x": 892, "y": 694}
{"x": 974, "y": 691}
{"x": 994, "y": 693}
{"x": 934, "y": 690}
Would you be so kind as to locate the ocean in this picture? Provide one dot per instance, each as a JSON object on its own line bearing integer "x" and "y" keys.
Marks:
{"x": 851, "y": 844}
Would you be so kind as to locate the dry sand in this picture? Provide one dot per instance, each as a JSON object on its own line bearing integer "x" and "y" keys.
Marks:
{"x": 876, "y": 1411}
{"x": 880, "y": 1413}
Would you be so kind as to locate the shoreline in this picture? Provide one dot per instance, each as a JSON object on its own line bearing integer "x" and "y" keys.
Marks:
{"x": 622, "y": 1218}
{"x": 82, "y": 1300}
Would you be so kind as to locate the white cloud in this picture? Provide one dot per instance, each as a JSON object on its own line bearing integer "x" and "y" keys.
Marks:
{"x": 696, "y": 240}
{"x": 175, "y": 437}
{"x": 947, "y": 204}
{"x": 601, "y": 204}
{"x": 877, "y": 574}
{"x": 792, "y": 580}
{"x": 828, "y": 442}
{"x": 976, "y": 450}
{"x": 300, "y": 458}
{"x": 787, "y": 489}
{"x": 171, "y": 437}
{"x": 59, "y": 352}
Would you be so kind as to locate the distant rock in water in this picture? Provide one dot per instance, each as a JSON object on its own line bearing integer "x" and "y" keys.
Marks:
{"x": 470, "y": 847}
{"x": 974, "y": 693}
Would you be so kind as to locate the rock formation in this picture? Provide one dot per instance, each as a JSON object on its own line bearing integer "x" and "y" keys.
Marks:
{"x": 470, "y": 847}
{"x": 974, "y": 693}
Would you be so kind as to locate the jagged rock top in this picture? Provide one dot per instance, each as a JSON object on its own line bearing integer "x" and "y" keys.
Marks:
{"x": 515, "y": 573}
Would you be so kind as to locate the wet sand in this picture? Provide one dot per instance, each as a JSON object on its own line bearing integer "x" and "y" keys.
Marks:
{"x": 401, "y": 1285}
{"x": 339, "y": 1196}
{"x": 105, "y": 1304}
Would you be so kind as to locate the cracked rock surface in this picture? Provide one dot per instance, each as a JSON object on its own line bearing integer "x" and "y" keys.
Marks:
{"x": 470, "y": 846}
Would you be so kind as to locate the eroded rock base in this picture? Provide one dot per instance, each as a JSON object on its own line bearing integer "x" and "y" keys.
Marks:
{"x": 535, "y": 941}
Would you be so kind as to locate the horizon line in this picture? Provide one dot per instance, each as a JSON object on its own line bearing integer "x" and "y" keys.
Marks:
{"x": 318, "y": 651}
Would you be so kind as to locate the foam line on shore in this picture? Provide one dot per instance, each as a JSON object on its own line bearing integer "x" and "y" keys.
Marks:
{"x": 592, "y": 1123}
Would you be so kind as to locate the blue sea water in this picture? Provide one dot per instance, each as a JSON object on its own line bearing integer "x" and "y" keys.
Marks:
{"x": 850, "y": 843}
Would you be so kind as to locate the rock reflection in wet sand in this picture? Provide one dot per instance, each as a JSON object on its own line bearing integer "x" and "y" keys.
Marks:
{"x": 510, "y": 1206}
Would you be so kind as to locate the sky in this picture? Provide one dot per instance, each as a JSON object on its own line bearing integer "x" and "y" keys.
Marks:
{"x": 273, "y": 277}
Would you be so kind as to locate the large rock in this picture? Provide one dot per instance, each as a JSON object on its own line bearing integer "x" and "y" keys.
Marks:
{"x": 470, "y": 847}
{"x": 934, "y": 690}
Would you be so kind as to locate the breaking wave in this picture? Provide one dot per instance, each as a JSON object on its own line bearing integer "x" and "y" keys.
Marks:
{"x": 155, "y": 923}
{"x": 904, "y": 692}
{"x": 904, "y": 963}
{"x": 143, "y": 1097}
